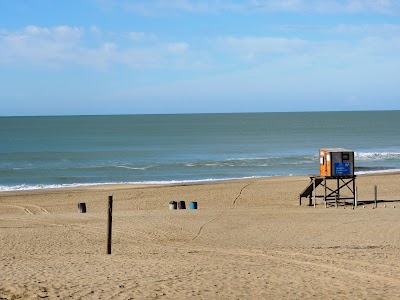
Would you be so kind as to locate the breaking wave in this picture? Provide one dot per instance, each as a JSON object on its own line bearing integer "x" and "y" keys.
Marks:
{"x": 375, "y": 156}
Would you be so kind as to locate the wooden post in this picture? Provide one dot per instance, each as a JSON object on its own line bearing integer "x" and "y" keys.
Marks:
{"x": 355, "y": 197}
{"x": 109, "y": 223}
{"x": 338, "y": 190}
{"x": 315, "y": 202}
{"x": 354, "y": 192}
{"x": 325, "y": 192}
{"x": 376, "y": 195}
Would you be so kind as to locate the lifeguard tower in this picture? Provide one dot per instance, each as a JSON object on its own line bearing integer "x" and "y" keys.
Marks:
{"x": 336, "y": 177}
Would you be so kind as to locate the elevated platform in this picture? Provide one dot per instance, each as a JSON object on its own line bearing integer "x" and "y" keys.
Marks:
{"x": 331, "y": 190}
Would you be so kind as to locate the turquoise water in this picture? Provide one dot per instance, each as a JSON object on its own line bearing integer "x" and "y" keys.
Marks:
{"x": 42, "y": 152}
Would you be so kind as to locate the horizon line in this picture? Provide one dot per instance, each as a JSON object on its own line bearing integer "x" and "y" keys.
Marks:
{"x": 192, "y": 113}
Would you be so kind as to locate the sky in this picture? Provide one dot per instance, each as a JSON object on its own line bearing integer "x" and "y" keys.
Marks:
{"x": 89, "y": 57}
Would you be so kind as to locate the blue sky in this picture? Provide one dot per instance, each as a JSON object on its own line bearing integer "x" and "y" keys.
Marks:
{"x": 179, "y": 56}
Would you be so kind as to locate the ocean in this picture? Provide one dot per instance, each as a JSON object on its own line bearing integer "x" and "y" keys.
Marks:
{"x": 62, "y": 151}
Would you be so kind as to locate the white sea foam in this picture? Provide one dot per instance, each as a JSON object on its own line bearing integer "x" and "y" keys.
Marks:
{"x": 25, "y": 187}
{"x": 132, "y": 168}
{"x": 377, "y": 171}
{"x": 373, "y": 156}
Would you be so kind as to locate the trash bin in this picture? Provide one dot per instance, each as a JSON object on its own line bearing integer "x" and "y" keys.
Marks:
{"x": 181, "y": 205}
{"x": 173, "y": 205}
{"x": 82, "y": 207}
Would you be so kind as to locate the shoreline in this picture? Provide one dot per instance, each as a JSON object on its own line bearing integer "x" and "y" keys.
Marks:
{"x": 52, "y": 187}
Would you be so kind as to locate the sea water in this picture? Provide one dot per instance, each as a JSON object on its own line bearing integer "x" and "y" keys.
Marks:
{"x": 45, "y": 152}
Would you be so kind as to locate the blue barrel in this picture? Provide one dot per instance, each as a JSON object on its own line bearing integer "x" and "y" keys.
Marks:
{"x": 193, "y": 205}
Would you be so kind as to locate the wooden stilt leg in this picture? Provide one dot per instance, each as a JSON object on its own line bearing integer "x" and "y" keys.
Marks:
{"x": 325, "y": 192}
{"x": 314, "y": 193}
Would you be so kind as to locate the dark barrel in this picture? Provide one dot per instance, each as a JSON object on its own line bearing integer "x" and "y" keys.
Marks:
{"x": 82, "y": 207}
{"x": 181, "y": 205}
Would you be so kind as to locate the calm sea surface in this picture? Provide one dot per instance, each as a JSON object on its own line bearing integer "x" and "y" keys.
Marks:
{"x": 43, "y": 152}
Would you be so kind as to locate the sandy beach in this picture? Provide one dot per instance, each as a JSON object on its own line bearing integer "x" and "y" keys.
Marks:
{"x": 248, "y": 239}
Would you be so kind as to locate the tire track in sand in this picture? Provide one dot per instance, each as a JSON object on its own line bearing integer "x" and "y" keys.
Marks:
{"x": 233, "y": 206}
{"x": 317, "y": 264}
{"x": 25, "y": 208}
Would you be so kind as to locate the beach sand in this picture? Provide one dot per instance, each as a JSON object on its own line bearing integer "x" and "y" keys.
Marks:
{"x": 248, "y": 239}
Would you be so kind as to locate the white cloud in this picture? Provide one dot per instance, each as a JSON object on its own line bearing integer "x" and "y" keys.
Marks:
{"x": 95, "y": 29}
{"x": 277, "y": 5}
{"x": 44, "y": 46}
{"x": 340, "y": 30}
{"x": 31, "y": 29}
{"x": 63, "y": 46}
{"x": 141, "y": 36}
{"x": 178, "y": 48}
{"x": 40, "y": 44}
{"x": 332, "y": 52}
{"x": 366, "y": 29}
{"x": 261, "y": 45}
{"x": 162, "y": 7}
{"x": 325, "y": 6}
{"x": 378, "y": 6}
{"x": 109, "y": 47}
{"x": 185, "y": 5}
{"x": 62, "y": 33}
